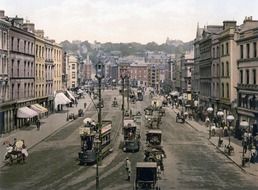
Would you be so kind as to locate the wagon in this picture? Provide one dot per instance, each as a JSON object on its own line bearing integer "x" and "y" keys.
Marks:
{"x": 146, "y": 176}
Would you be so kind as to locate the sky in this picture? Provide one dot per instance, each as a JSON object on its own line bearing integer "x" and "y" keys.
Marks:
{"x": 127, "y": 20}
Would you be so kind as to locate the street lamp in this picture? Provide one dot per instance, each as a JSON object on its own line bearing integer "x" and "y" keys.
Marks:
{"x": 230, "y": 119}
{"x": 97, "y": 145}
{"x": 99, "y": 75}
{"x": 220, "y": 114}
{"x": 243, "y": 124}
{"x": 210, "y": 110}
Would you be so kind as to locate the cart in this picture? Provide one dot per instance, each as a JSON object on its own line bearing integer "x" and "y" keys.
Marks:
{"x": 146, "y": 176}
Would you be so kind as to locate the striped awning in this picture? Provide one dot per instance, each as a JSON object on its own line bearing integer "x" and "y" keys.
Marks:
{"x": 38, "y": 108}
{"x": 25, "y": 112}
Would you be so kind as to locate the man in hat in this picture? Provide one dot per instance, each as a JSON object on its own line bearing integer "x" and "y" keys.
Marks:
{"x": 128, "y": 168}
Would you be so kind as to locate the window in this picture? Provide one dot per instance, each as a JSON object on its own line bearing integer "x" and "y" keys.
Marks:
{"x": 12, "y": 43}
{"x": 241, "y": 77}
{"x": 227, "y": 90}
{"x": 24, "y": 46}
{"x": 18, "y": 92}
{"x": 12, "y": 67}
{"x": 217, "y": 70}
{"x": 247, "y": 51}
{"x": 222, "y": 49}
{"x": 222, "y": 69}
{"x": 73, "y": 66}
{"x": 217, "y": 51}
{"x": 247, "y": 76}
{"x": 254, "y": 76}
{"x": 13, "y": 91}
{"x": 73, "y": 75}
{"x": 241, "y": 51}
{"x": 227, "y": 51}
{"x": 18, "y": 44}
{"x": 255, "y": 49}
{"x": 18, "y": 68}
{"x": 213, "y": 52}
{"x": 25, "y": 86}
{"x": 25, "y": 68}
{"x": 222, "y": 89}
{"x": 227, "y": 66}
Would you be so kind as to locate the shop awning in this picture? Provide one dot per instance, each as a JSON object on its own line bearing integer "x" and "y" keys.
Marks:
{"x": 39, "y": 108}
{"x": 60, "y": 98}
{"x": 25, "y": 112}
{"x": 42, "y": 108}
{"x": 70, "y": 94}
{"x": 35, "y": 108}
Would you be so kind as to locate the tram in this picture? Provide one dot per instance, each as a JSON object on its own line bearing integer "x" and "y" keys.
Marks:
{"x": 131, "y": 136}
{"x": 88, "y": 133}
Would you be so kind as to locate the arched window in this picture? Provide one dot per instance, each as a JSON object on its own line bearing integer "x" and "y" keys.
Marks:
{"x": 222, "y": 69}
{"x": 227, "y": 66}
{"x": 222, "y": 90}
{"x": 227, "y": 90}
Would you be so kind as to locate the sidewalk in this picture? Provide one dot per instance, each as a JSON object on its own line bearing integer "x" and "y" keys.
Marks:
{"x": 49, "y": 125}
{"x": 236, "y": 157}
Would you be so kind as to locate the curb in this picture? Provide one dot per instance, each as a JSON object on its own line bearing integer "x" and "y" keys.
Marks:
{"x": 221, "y": 151}
{"x": 35, "y": 144}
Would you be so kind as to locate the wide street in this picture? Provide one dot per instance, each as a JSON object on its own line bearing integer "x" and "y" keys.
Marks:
{"x": 191, "y": 162}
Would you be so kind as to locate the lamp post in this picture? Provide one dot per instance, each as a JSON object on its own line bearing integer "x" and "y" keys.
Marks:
{"x": 230, "y": 119}
{"x": 99, "y": 75}
{"x": 243, "y": 124}
{"x": 220, "y": 114}
{"x": 97, "y": 144}
{"x": 210, "y": 110}
{"x": 123, "y": 95}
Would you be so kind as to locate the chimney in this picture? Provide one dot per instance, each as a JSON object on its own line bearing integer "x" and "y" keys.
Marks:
{"x": 30, "y": 27}
{"x": 2, "y": 14}
{"x": 40, "y": 33}
{"x": 229, "y": 24}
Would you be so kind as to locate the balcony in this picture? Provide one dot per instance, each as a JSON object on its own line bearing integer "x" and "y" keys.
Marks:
{"x": 247, "y": 86}
{"x": 49, "y": 61}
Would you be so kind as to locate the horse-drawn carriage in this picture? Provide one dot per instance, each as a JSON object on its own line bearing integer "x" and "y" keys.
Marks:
{"x": 180, "y": 118}
{"x": 152, "y": 116}
{"x": 146, "y": 176}
{"x": 114, "y": 103}
{"x": 154, "y": 151}
{"x": 16, "y": 152}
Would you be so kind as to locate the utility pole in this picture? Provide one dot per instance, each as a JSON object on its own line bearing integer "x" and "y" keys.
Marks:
{"x": 128, "y": 93}
{"x": 123, "y": 100}
{"x": 99, "y": 76}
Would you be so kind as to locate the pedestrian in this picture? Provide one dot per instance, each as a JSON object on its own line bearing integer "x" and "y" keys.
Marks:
{"x": 38, "y": 124}
{"x": 128, "y": 168}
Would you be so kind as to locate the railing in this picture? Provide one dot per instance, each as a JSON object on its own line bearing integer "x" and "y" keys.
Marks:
{"x": 247, "y": 86}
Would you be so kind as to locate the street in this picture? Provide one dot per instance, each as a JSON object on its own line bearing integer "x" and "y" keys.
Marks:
{"x": 191, "y": 162}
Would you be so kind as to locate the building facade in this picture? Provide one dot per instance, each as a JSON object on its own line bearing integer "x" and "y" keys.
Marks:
{"x": 72, "y": 71}
{"x": 247, "y": 64}
{"x": 6, "y": 113}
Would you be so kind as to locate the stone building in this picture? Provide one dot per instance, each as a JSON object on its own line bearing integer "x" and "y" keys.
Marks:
{"x": 72, "y": 71}
{"x": 205, "y": 62}
{"x": 247, "y": 64}
{"x": 228, "y": 67}
{"x": 139, "y": 74}
{"x": 6, "y": 119}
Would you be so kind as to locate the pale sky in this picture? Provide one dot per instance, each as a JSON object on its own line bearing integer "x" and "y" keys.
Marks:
{"x": 127, "y": 20}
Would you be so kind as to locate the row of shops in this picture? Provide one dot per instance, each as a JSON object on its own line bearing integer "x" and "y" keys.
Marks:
{"x": 17, "y": 114}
